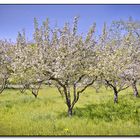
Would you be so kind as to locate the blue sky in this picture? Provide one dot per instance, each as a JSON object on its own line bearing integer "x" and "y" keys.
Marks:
{"x": 14, "y": 18}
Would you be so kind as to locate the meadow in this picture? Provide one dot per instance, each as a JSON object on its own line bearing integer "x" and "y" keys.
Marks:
{"x": 95, "y": 114}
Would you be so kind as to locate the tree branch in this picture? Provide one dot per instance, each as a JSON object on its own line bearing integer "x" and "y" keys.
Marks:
{"x": 59, "y": 89}
{"x": 120, "y": 89}
{"x": 109, "y": 84}
{"x": 76, "y": 97}
{"x": 89, "y": 84}
{"x": 79, "y": 79}
{"x": 3, "y": 85}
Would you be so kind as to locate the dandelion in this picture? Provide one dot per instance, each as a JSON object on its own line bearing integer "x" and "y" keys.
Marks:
{"x": 66, "y": 129}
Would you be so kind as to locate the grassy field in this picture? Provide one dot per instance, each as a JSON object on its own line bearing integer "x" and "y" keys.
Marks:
{"x": 94, "y": 114}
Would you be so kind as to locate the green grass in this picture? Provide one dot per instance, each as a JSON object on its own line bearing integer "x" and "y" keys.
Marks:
{"x": 94, "y": 114}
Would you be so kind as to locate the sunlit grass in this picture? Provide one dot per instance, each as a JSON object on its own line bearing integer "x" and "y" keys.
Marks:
{"x": 94, "y": 114}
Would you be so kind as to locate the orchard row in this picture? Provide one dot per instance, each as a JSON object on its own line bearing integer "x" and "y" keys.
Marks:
{"x": 72, "y": 61}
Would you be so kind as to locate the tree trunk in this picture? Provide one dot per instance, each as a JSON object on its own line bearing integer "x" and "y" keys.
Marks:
{"x": 135, "y": 90}
{"x": 68, "y": 100}
{"x": 3, "y": 86}
{"x": 35, "y": 95}
{"x": 115, "y": 96}
{"x": 69, "y": 111}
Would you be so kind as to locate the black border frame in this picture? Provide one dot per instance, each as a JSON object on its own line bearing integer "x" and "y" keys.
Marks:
{"x": 71, "y": 136}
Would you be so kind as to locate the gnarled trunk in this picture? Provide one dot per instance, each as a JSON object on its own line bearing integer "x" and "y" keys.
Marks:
{"x": 68, "y": 102}
{"x": 115, "y": 95}
{"x": 135, "y": 90}
{"x": 35, "y": 93}
{"x": 69, "y": 111}
{"x": 3, "y": 85}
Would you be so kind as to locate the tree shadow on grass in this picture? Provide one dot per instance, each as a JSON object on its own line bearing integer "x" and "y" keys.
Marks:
{"x": 129, "y": 94}
{"x": 106, "y": 111}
